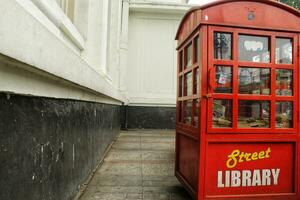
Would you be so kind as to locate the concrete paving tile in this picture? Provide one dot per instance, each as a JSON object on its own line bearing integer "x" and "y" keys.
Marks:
{"x": 118, "y": 189}
{"x": 162, "y": 189}
{"x": 154, "y": 139}
{"x": 158, "y": 169}
{"x": 126, "y": 145}
{"x": 160, "y": 181}
{"x": 158, "y": 155}
{"x": 162, "y": 162}
{"x": 120, "y": 155}
{"x": 157, "y": 196}
{"x": 154, "y": 131}
{"x": 160, "y": 178}
{"x": 134, "y": 196}
{"x": 102, "y": 196}
{"x": 109, "y": 168}
{"x": 158, "y": 135}
{"x": 158, "y": 146}
{"x": 116, "y": 180}
{"x": 129, "y": 138}
{"x": 139, "y": 166}
{"x": 130, "y": 133}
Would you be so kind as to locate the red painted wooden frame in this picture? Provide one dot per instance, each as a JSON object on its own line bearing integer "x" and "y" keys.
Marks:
{"x": 193, "y": 144}
{"x": 235, "y": 97}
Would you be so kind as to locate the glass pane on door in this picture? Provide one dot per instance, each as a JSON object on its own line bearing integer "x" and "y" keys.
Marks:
{"x": 222, "y": 113}
{"x": 188, "y": 83}
{"x": 196, "y": 81}
{"x": 196, "y": 112}
{"x": 188, "y": 56}
{"x": 254, "y": 48}
{"x": 284, "y": 82}
{"x": 223, "y": 79}
{"x": 284, "y": 51}
{"x": 179, "y": 111}
{"x": 254, "y": 114}
{"x": 254, "y": 81}
{"x": 181, "y": 61}
{"x": 284, "y": 115}
{"x": 187, "y": 110}
{"x": 196, "y": 49}
{"x": 223, "y": 46}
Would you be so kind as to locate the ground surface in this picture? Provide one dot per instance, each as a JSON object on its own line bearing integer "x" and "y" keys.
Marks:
{"x": 140, "y": 165}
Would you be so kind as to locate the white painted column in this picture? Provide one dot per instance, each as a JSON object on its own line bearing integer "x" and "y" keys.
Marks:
{"x": 124, "y": 46}
{"x": 104, "y": 36}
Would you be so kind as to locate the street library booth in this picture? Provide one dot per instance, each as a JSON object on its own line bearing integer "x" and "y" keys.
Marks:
{"x": 237, "y": 128}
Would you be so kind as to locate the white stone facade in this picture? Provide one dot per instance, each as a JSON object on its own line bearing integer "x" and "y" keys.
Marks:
{"x": 111, "y": 51}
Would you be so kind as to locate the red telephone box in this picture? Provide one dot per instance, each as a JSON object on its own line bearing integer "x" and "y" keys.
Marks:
{"x": 237, "y": 130}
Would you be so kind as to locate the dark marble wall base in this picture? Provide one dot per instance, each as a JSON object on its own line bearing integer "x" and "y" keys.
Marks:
{"x": 49, "y": 147}
{"x": 149, "y": 117}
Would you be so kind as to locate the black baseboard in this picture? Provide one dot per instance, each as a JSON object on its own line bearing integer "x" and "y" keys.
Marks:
{"x": 142, "y": 117}
{"x": 49, "y": 147}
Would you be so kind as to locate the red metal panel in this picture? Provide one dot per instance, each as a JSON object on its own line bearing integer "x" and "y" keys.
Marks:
{"x": 188, "y": 157}
{"x": 250, "y": 169}
{"x": 270, "y": 155}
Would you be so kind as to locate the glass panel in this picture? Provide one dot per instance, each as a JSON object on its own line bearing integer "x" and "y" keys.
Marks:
{"x": 223, "y": 46}
{"x": 284, "y": 115}
{"x": 196, "y": 113}
{"x": 254, "y": 48}
{"x": 180, "y": 61}
{"x": 254, "y": 81}
{"x": 187, "y": 112}
{"x": 222, "y": 113}
{"x": 196, "y": 81}
{"x": 179, "y": 111}
{"x": 196, "y": 49}
{"x": 188, "y": 51}
{"x": 284, "y": 82}
{"x": 223, "y": 79}
{"x": 254, "y": 114}
{"x": 284, "y": 51}
{"x": 189, "y": 84}
{"x": 180, "y": 87}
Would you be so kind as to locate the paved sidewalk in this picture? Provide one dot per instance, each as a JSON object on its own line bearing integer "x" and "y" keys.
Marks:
{"x": 140, "y": 165}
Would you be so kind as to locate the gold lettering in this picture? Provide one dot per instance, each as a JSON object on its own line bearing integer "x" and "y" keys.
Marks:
{"x": 241, "y": 157}
{"x": 261, "y": 155}
{"x": 247, "y": 156}
{"x": 232, "y": 160}
{"x": 237, "y": 156}
{"x": 268, "y": 152}
{"x": 254, "y": 156}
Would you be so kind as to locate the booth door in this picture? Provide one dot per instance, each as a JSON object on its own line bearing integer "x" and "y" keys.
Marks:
{"x": 253, "y": 81}
{"x": 252, "y": 119}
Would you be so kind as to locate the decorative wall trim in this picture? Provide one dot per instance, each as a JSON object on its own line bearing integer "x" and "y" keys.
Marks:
{"x": 57, "y": 16}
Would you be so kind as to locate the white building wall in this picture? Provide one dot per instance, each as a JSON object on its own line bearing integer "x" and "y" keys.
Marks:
{"x": 152, "y": 57}
{"x": 103, "y": 55}
{"x": 37, "y": 34}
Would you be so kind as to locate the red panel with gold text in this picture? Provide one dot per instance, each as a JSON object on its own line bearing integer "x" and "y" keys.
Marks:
{"x": 247, "y": 168}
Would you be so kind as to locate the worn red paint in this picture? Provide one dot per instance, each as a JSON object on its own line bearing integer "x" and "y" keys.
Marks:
{"x": 232, "y": 154}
